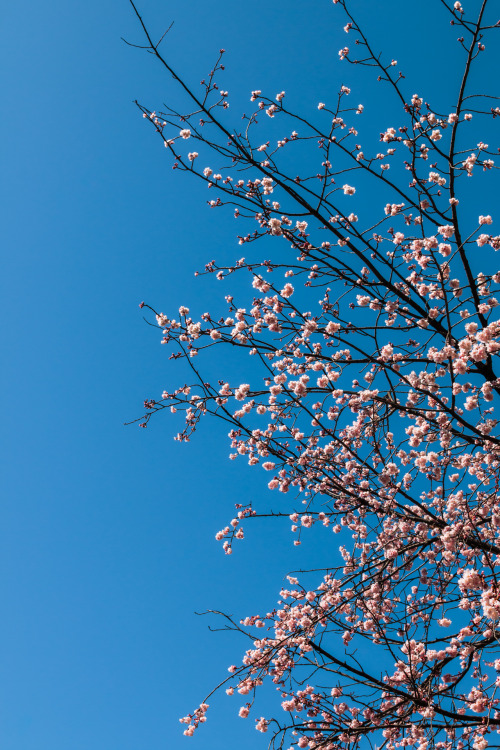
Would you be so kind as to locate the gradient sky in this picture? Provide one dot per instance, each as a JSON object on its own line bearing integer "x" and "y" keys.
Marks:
{"x": 107, "y": 532}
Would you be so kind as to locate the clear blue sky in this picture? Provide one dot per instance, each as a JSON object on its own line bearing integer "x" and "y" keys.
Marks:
{"x": 107, "y": 533}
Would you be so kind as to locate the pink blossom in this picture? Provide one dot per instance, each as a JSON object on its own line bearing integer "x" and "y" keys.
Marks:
{"x": 262, "y": 725}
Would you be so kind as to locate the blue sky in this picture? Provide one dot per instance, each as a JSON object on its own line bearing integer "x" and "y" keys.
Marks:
{"x": 107, "y": 533}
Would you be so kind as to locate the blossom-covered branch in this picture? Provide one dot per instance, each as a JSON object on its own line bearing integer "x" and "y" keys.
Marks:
{"x": 373, "y": 335}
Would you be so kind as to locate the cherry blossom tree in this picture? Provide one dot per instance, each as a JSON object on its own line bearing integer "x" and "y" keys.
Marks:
{"x": 372, "y": 335}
